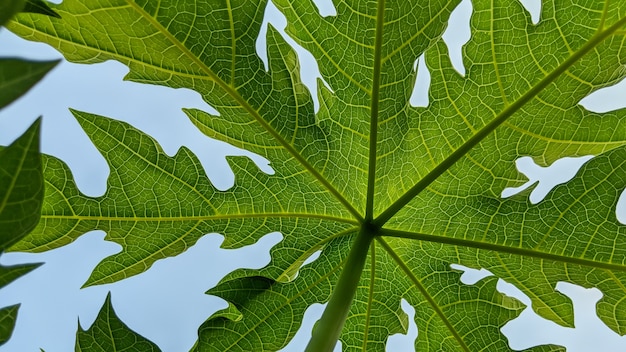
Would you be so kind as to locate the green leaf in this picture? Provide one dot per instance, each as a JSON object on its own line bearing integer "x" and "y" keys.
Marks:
{"x": 9, "y": 8}
{"x": 18, "y": 76}
{"x": 9, "y": 274}
{"x": 41, "y": 7}
{"x": 390, "y": 193}
{"x": 8, "y": 316}
{"x": 21, "y": 173}
{"x": 109, "y": 333}
{"x": 266, "y": 305}
{"x": 21, "y": 187}
{"x": 157, "y": 206}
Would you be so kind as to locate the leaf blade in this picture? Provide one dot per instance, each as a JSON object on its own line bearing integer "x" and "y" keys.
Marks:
{"x": 21, "y": 181}
{"x": 109, "y": 333}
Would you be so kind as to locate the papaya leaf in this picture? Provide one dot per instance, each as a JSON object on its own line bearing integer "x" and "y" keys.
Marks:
{"x": 40, "y": 6}
{"x": 21, "y": 187}
{"x": 8, "y": 316}
{"x": 9, "y": 274}
{"x": 10, "y": 8}
{"x": 21, "y": 170}
{"x": 391, "y": 194}
{"x": 18, "y": 76}
{"x": 21, "y": 198}
{"x": 109, "y": 333}
{"x": 172, "y": 197}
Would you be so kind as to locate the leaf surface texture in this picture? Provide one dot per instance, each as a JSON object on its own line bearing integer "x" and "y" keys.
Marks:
{"x": 426, "y": 179}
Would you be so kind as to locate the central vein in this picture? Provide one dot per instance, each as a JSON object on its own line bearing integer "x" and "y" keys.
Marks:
{"x": 371, "y": 175}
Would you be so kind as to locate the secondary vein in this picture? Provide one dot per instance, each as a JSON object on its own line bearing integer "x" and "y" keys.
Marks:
{"x": 423, "y": 291}
{"x": 502, "y": 249}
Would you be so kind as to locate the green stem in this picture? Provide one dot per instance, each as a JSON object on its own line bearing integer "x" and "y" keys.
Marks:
{"x": 328, "y": 328}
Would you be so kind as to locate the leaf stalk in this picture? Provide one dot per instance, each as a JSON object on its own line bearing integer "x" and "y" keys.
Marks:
{"x": 328, "y": 328}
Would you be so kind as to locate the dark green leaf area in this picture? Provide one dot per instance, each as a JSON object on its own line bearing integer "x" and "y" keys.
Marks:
{"x": 8, "y": 316}
{"x": 9, "y": 274}
{"x": 41, "y": 7}
{"x": 18, "y": 76}
{"x": 375, "y": 313}
{"x": 108, "y": 333}
{"x": 21, "y": 197}
{"x": 262, "y": 307}
{"x": 9, "y": 8}
{"x": 259, "y": 111}
{"x": 21, "y": 187}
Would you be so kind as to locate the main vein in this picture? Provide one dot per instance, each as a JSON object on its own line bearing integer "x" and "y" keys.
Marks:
{"x": 371, "y": 179}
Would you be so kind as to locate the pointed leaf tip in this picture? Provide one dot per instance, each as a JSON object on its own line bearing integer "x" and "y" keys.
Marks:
{"x": 109, "y": 333}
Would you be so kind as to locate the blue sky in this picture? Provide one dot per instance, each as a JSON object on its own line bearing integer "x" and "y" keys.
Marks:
{"x": 167, "y": 303}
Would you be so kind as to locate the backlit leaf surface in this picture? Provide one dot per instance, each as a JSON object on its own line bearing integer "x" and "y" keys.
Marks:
{"x": 423, "y": 184}
{"x": 21, "y": 197}
{"x": 21, "y": 178}
{"x": 109, "y": 333}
